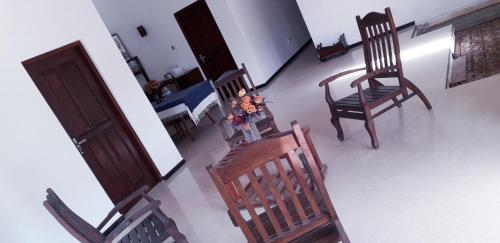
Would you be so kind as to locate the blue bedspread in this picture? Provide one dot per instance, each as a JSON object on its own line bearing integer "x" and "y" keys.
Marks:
{"x": 191, "y": 97}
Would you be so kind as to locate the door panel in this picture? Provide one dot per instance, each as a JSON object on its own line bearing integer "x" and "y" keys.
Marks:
{"x": 81, "y": 101}
{"x": 205, "y": 39}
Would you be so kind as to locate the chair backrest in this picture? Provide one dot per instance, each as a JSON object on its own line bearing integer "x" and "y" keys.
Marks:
{"x": 75, "y": 225}
{"x": 270, "y": 165}
{"x": 231, "y": 82}
{"x": 380, "y": 41}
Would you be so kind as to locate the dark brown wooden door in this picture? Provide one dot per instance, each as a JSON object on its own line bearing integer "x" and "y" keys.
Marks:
{"x": 204, "y": 38}
{"x": 78, "y": 96}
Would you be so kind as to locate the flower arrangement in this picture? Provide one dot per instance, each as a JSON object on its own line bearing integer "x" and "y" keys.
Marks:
{"x": 245, "y": 107}
{"x": 151, "y": 87}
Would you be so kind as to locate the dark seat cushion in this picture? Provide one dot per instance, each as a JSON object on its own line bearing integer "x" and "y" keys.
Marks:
{"x": 351, "y": 102}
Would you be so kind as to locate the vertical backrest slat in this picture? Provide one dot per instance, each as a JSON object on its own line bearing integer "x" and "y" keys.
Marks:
{"x": 395, "y": 39}
{"x": 389, "y": 45}
{"x": 383, "y": 39}
{"x": 253, "y": 88}
{"x": 237, "y": 82}
{"x": 222, "y": 93}
{"x": 276, "y": 196}
{"x": 251, "y": 210}
{"x": 233, "y": 89}
{"x": 374, "y": 48}
{"x": 290, "y": 190}
{"x": 378, "y": 38}
{"x": 301, "y": 179}
{"x": 262, "y": 196}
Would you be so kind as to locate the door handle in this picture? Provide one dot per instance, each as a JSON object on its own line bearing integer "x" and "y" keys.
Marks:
{"x": 202, "y": 58}
{"x": 78, "y": 144}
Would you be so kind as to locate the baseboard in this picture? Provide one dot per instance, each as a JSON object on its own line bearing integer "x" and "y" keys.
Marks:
{"x": 402, "y": 27}
{"x": 284, "y": 65}
{"x": 175, "y": 169}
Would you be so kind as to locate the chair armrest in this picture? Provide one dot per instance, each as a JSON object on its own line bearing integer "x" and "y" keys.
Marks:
{"x": 139, "y": 192}
{"x": 337, "y": 76}
{"x": 371, "y": 75}
{"x": 129, "y": 220}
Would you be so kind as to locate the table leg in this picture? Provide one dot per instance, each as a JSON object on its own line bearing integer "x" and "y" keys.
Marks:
{"x": 187, "y": 129}
{"x": 211, "y": 118}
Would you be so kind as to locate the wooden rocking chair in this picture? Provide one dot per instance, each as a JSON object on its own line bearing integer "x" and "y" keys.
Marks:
{"x": 154, "y": 227}
{"x": 382, "y": 59}
{"x": 305, "y": 213}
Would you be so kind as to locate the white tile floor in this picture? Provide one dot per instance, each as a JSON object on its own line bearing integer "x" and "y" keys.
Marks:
{"x": 435, "y": 177}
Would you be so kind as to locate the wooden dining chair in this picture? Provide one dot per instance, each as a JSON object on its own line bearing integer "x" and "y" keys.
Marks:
{"x": 297, "y": 215}
{"x": 227, "y": 88}
{"x": 382, "y": 60}
{"x": 154, "y": 227}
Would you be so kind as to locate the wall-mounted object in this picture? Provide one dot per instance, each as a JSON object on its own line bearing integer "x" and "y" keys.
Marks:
{"x": 121, "y": 46}
{"x": 142, "y": 31}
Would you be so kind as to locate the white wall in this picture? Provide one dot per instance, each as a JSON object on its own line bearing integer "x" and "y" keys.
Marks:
{"x": 272, "y": 30}
{"x": 36, "y": 152}
{"x": 157, "y": 16}
{"x": 256, "y": 32}
{"x": 327, "y": 19}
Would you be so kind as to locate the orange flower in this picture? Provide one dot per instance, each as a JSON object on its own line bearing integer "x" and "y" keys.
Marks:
{"x": 245, "y": 106}
{"x": 251, "y": 109}
{"x": 246, "y": 99}
{"x": 258, "y": 99}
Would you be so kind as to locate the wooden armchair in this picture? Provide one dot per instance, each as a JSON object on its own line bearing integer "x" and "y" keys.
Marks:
{"x": 227, "y": 87}
{"x": 154, "y": 227}
{"x": 382, "y": 59}
{"x": 302, "y": 214}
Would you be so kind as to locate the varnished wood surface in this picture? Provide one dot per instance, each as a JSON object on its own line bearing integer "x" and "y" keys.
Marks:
{"x": 291, "y": 190}
{"x": 383, "y": 60}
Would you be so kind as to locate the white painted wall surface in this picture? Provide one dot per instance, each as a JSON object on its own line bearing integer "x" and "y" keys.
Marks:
{"x": 273, "y": 32}
{"x": 327, "y": 19}
{"x": 36, "y": 151}
{"x": 157, "y": 16}
{"x": 256, "y": 32}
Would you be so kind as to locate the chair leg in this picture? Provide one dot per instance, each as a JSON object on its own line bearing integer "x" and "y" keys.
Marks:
{"x": 210, "y": 118}
{"x": 173, "y": 231}
{"x": 340, "y": 229}
{"x": 414, "y": 88}
{"x": 370, "y": 127}
{"x": 274, "y": 127}
{"x": 336, "y": 123}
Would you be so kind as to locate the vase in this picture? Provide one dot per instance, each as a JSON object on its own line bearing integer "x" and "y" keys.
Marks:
{"x": 251, "y": 132}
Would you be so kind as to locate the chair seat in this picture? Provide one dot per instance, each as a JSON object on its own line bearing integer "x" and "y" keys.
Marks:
{"x": 150, "y": 230}
{"x": 327, "y": 231}
{"x": 351, "y": 102}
